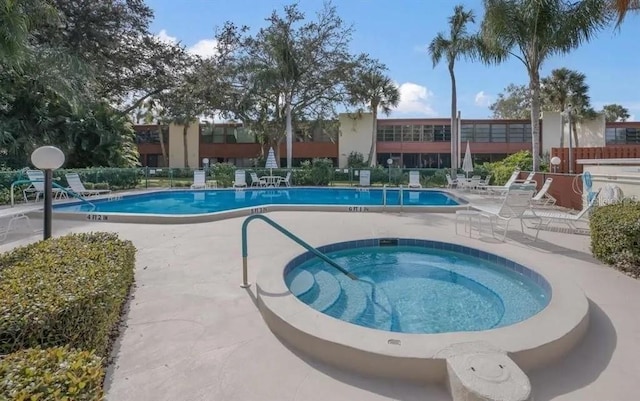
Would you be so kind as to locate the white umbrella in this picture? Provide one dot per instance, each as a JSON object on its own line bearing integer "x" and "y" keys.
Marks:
{"x": 467, "y": 163}
{"x": 271, "y": 161}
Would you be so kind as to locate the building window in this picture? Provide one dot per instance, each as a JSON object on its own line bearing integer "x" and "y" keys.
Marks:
{"x": 442, "y": 133}
{"x": 411, "y": 133}
{"x": 427, "y": 133}
{"x": 466, "y": 132}
{"x": 389, "y": 133}
{"x": 622, "y": 136}
{"x": 519, "y": 133}
{"x": 151, "y": 135}
{"x": 499, "y": 133}
{"x": 482, "y": 133}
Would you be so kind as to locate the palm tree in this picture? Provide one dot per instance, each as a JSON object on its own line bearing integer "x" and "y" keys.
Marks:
{"x": 459, "y": 43}
{"x": 377, "y": 91}
{"x": 534, "y": 30}
{"x": 17, "y": 20}
{"x": 566, "y": 87}
{"x": 615, "y": 112}
{"x": 621, "y": 8}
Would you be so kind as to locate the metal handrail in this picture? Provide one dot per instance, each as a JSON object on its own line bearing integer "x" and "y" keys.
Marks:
{"x": 384, "y": 195}
{"x": 400, "y": 194}
{"x": 67, "y": 191}
{"x": 290, "y": 235}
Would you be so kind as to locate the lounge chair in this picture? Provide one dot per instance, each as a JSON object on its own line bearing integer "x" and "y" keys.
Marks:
{"x": 501, "y": 189}
{"x": 543, "y": 198}
{"x": 365, "y": 178}
{"x": 13, "y": 215}
{"x": 529, "y": 178}
{"x": 37, "y": 187}
{"x": 451, "y": 183}
{"x": 199, "y": 179}
{"x": 483, "y": 184}
{"x": 514, "y": 206}
{"x": 240, "y": 180}
{"x": 414, "y": 179}
{"x": 554, "y": 216}
{"x": 76, "y": 186}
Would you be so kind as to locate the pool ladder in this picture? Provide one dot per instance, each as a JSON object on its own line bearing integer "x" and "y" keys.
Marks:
{"x": 288, "y": 234}
{"x": 384, "y": 196}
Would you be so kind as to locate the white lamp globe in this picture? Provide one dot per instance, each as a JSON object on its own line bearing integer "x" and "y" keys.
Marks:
{"x": 47, "y": 158}
{"x": 389, "y": 161}
{"x": 555, "y": 160}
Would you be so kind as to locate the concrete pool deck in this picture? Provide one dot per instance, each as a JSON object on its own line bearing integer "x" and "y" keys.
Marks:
{"x": 193, "y": 334}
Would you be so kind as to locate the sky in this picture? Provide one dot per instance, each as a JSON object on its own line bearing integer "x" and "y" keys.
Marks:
{"x": 397, "y": 33}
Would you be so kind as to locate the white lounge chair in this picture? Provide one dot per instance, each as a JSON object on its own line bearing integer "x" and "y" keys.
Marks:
{"x": 529, "y": 178}
{"x": 240, "y": 180}
{"x": 451, "y": 183}
{"x": 514, "y": 206}
{"x": 199, "y": 179}
{"x": 11, "y": 215}
{"x": 37, "y": 187}
{"x": 543, "y": 198}
{"x": 501, "y": 189}
{"x": 365, "y": 178}
{"x": 554, "y": 216}
{"x": 414, "y": 179}
{"x": 76, "y": 185}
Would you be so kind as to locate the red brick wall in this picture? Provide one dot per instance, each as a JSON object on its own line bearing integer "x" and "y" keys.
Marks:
{"x": 562, "y": 188}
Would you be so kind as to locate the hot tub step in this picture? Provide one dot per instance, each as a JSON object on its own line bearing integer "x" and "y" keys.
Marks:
{"x": 329, "y": 291}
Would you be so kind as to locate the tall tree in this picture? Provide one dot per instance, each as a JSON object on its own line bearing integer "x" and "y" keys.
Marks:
{"x": 297, "y": 67}
{"x": 375, "y": 90}
{"x": 532, "y": 31}
{"x": 564, "y": 88}
{"x": 615, "y": 112}
{"x": 459, "y": 43}
{"x": 513, "y": 103}
{"x": 113, "y": 37}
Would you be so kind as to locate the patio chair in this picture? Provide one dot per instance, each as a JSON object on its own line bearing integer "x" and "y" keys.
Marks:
{"x": 37, "y": 187}
{"x": 365, "y": 178}
{"x": 547, "y": 216}
{"x": 514, "y": 206}
{"x": 529, "y": 178}
{"x": 451, "y": 183}
{"x": 76, "y": 185}
{"x": 286, "y": 180}
{"x": 240, "y": 180}
{"x": 255, "y": 180}
{"x": 199, "y": 180}
{"x": 414, "y": 179}
{"x": 483, "y": 184}
{"x": 543, "y": 198}
{"x": 501, "y": 189}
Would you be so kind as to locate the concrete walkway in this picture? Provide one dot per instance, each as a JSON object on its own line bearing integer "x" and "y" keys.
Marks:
{"x": 193, "y": 334}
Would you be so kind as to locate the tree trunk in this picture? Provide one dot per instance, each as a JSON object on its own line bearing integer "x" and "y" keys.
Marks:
{"x": 562, "y": 131}
{"x": 289, "y": 135}
{"x": 534, "y": 87}
{"x": 165, "y": 162}
{"x": 575, "y": 132}
{"x": 454, "y": 126}
{"x": 372, "y": 152}
{"x": 185, "y": 131}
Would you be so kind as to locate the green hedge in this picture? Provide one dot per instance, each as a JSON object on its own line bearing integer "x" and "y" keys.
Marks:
{"x": 615, "y": 235}
{"x": 51, "y": 374}
{"x": 64, "y": 291}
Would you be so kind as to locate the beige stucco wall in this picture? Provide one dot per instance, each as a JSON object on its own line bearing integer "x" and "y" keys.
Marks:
{"x": 355, "y": 135}
{"x": 176, "y": 145}
{"x": 590, "y": 133}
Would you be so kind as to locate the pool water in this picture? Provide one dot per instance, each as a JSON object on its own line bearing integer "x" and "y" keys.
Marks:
{"x": 209, "y": 201}
{"x": 414, "y": 289}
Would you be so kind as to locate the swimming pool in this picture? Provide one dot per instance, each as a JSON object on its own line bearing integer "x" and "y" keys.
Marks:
{"x": 249, "y": 201}
{"x": 414, "y": 287}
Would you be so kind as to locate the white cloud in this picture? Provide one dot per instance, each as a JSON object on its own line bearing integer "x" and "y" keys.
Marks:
{"x": 415, "y": 99}
{"x": 482, "y": 99}
{"x": 632, "y": 117}
{"x": 203, "y": 48}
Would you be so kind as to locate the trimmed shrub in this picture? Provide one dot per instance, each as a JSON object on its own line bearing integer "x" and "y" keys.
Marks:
{"x": 615, "y": 235}
{"x": 51, "y": 374}
{"x": 64, "y": 291}
{"x": 224, "y": 174}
